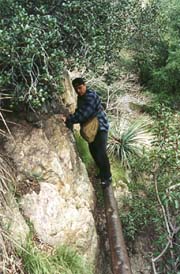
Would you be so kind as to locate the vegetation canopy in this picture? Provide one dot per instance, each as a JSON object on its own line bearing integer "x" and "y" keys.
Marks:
{"x": 38, "y": 39}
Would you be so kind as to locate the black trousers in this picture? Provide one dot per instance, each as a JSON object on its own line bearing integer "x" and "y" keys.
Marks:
{"x": 98, "y": 151}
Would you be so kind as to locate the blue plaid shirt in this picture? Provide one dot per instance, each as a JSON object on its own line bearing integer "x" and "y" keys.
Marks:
{"x": 89, "y": 106}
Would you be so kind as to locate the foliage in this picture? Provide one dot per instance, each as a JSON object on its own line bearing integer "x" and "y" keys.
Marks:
{"x": 156, "y": 45}
{"x": 64, "y": 260}
{"x": 166, "y": 77}
{"x": 140, "y": 213}
{"x": 83, "y": 150}
{"x": 129, "y": 143}
{"x": 166, "y": 164}
{"x": 38, "y": 39}
{"x": 94, "y": 30}
{"x": 159, "y": 169}
{"x": 147, "y": 42}
{"x": 167, "y": 131}
{"x": 30, "y": 60}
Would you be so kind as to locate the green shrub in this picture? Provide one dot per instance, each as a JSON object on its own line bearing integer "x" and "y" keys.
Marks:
{"x": 166, "y": 76}
{"x": 157, "y": 205}
{"x": 38, "y": 39}
{"x": 156, "y": 45}
{"x": 140, "y": 214}
{"x": 30, "y": 59}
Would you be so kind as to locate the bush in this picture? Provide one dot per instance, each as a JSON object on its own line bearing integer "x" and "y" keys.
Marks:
{"x": 160, "y": 172}
{"x": 156, "y": 45}
{"x": 30, "y": 59}
{"x": 38, "y": 39}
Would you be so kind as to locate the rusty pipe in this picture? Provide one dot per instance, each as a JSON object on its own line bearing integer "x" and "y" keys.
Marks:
{"x": 119, "y": 257}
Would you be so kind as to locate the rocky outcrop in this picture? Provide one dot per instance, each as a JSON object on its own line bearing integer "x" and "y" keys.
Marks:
{"x": 12, "y": 222}
{"x": 56, "y": 194}
{"x": 68, "y": 97}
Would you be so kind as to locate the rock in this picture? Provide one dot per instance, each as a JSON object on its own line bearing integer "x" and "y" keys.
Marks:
{"x": 61, "y": 219}
{"x": 12, "y": 221}
{"x": 69, "y": 96}
{"x": 61, "y": 211}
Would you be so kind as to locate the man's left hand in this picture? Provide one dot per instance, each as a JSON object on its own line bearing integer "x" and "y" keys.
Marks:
{"x": 63, "y": 117}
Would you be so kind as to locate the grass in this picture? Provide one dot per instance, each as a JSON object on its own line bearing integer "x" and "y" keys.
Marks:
{"x": 63, "y": 260}
{"x": 70, "y": 260}
{"x": 83, "y": 150}
{"x": 35, "y": 262}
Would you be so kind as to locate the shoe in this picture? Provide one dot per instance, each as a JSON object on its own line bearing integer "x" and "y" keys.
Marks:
{"x": 106, "y": 183}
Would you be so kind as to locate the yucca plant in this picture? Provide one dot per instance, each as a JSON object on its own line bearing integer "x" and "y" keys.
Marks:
{"x": 129, "y": 142}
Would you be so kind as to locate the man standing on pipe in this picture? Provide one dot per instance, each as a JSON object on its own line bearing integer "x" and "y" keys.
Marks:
{"x": 88, "y": 106}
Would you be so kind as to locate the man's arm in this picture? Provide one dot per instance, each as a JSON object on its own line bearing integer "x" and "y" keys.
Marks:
{"x": 87, "y": 110}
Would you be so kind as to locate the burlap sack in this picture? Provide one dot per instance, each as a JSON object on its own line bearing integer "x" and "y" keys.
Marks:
{"x": 89, "y": 129}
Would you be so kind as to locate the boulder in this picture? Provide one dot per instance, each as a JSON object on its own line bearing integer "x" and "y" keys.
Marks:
{"x": 57, "y": 195}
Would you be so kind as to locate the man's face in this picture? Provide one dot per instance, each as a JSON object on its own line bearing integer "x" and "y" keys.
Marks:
{"x": 80, "y": 89}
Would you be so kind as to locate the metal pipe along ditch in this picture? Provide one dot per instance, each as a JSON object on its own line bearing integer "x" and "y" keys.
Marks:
{"x": 119, "y": 257}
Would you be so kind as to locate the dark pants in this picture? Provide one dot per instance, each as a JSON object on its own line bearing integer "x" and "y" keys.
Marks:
{"x": 98, "y": 151}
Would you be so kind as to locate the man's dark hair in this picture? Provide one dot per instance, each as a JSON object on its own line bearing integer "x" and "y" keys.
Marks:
{"x": 78, "y": 81}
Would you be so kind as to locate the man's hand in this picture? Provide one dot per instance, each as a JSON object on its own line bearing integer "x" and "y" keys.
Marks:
{"x": 67, "y": 123}
{"x": 63, "y": 118}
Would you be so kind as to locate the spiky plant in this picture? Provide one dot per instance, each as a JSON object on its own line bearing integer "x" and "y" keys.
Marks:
{"x": 129, "y": 142}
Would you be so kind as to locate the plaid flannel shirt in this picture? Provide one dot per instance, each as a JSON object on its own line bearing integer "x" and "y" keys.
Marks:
{"x": 88, "y": 106}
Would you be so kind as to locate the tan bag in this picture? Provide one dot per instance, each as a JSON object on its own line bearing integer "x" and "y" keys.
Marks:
{"x": 89, "y": 129}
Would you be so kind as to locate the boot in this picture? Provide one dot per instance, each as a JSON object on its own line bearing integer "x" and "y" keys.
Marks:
{"x": 106, "y": 183}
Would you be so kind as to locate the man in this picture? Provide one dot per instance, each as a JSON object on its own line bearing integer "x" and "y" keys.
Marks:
{"x": 88, "y": 106}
